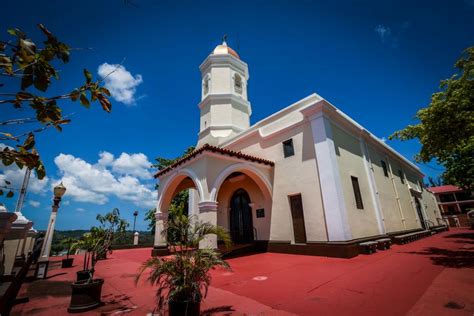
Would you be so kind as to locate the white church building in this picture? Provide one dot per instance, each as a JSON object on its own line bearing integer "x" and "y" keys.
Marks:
{"x": 307, "y": 179}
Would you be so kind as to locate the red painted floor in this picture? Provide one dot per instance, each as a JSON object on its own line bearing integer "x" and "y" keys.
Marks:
{"x": 432, "y": 276}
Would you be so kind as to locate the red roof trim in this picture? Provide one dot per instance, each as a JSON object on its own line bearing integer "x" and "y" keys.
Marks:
{"x": 214, "y": 149}
{"x": 445, "y": 189}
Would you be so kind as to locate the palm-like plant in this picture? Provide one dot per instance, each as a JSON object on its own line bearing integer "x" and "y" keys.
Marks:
{"x": 110, "y": 225}
{"x": 68, "y": 242}
{"x": 87, "y": 242}
{"x": 184, "y": 277}
{"x": 98, "y": 241}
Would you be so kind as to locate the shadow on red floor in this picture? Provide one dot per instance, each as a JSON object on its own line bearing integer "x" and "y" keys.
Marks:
{"x": 432, "y": 276}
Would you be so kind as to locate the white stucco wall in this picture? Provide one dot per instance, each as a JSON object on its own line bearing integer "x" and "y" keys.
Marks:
{"x": 363, "y": 222}
{"x": 292, "y": 175}
{"x": 388, "y": 200}
{"x": 405, "y": 196}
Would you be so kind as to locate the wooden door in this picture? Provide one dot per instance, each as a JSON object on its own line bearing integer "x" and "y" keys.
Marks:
{"x": 420, "y": 213}
{"x": 298, "y": 218}
{"x": 241, "y": 226}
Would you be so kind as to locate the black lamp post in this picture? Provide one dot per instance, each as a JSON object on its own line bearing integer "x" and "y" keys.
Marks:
{"x": 135, "y": 214}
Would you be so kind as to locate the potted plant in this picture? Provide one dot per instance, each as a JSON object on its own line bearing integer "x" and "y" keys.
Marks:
{"x": 86, "y": 243}
{"x": 183, "y": 278}
{"x": 113, "y": 224}
{"x": 86, "y": 293}
{"x": 67, "y": 242}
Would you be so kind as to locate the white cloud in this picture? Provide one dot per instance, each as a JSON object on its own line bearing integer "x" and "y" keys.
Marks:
{"x": 392, "y": 35}
{"x": 133, "y": 165}
{"x": 383, "y": 32}
{"x": 106, "y": 158}
{"x": 384, "y": 139}
{"x": 15, "y": 176}
{"x": 80, "y": 209}
{"x": 121, "y": 83}
{"x": 136, "y": 165}
{"x": 34, "y": 203}
{"x": 96, "y": 183}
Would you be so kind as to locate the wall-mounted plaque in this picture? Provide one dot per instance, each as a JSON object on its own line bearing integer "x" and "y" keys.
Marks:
{"x": 260, "y": 212}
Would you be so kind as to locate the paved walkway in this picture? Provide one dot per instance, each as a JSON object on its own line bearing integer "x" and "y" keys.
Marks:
{"x": 432, "y": 276}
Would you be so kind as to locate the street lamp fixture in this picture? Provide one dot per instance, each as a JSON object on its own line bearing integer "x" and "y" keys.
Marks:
{"x": 59, "y": 190}
{"x": 135, "y": 214}
{"x": 43, "y": 262}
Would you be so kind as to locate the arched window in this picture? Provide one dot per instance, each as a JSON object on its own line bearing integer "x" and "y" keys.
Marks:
{"x": 205, "y": 84}
{"x": 238, "y": 83}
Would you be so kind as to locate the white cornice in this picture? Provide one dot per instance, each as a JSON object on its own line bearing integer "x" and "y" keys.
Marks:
{"x": 208, "y": 129}
{"x": 226, "y": 98}
{"x": 224, "y": 61}
{"x": 347, "y": 123}
{"x": 303, "y": 103}
{"x": 313, "y": 106}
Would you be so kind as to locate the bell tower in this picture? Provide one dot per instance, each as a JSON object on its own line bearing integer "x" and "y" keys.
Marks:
{"x": 224, "y": 107}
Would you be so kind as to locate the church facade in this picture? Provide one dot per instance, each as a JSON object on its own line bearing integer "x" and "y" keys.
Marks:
{"x": 307, "y": 179}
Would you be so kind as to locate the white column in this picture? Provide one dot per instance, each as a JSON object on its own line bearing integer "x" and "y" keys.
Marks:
{"x": 330, "y": 180}
{"x": 160, "y": 240}
{"x": 135, "y": 238}
{"x": 48, "y": 239}
{"x": 373, "y": 186}
{"x": 193, "y": 200}
{"x": 208, "y": 213}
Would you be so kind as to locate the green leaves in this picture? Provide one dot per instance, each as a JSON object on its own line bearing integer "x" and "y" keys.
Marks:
{"x": 25, "y": 156}
{"x": 32, "y": 66}
{"x": 16, "y": 32}
{"x": 29, "y": 142}
{"x": 185, "y": 275}
{"x": 84, "y": 101}
{"x": 106, "y": 105}
{"x": 446, "y": 127}
{"x": 6, "y": 186}
{"x": 88, "y": 76}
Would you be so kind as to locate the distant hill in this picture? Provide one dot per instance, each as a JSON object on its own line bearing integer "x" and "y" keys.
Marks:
{"x": 126, "y": 238}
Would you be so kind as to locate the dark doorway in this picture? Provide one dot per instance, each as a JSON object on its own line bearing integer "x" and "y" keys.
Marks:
{"x": 420, "y": 213}
{"x": 298, "y": 218}
{"x": 241, "y": 226}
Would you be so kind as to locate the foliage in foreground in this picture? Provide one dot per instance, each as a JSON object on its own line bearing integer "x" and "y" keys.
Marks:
{"x": 34, "y": 66}
{"x": 446, "y": 127}
{"x": 185, "y": 275}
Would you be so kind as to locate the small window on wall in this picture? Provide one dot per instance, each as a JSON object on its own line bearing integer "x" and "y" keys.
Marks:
{"x": 357, "y": 195}
{"x": 384, "y": 167}
{"x": 205, "y": 85}
{"x": 288, "y": 149}
{"x": 400, "y": 174}
{"x": 238, "y": 83}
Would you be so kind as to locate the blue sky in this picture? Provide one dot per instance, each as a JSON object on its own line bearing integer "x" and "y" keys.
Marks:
{"x": 378, "y": 61}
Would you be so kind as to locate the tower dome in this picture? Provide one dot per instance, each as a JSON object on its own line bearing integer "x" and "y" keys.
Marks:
{"x": 225, "y": 109}
{"x": 223, "y": 49}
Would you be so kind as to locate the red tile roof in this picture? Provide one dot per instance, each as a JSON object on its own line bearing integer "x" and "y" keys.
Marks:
{"x": 445, "y": 189}
{"x": 214, "y": 149}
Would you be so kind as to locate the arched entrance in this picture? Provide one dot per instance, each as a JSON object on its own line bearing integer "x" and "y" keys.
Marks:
{"x": 241, "y": 225}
